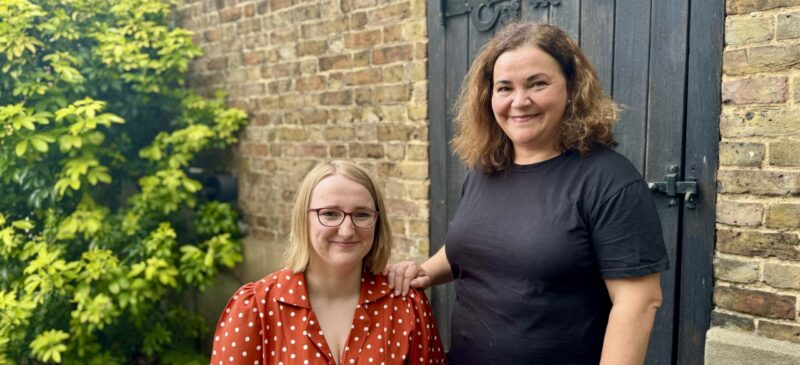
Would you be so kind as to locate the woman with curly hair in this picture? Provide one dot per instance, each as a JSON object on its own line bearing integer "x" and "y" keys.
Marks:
{"x": 556, "y": 245}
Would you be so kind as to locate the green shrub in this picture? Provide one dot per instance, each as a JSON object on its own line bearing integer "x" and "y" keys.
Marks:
{"x": 98, "y": 245}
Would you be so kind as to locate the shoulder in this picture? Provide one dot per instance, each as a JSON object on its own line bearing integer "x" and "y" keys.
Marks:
{"x": 261, "y": 288}
{"x": 603, "y": 161}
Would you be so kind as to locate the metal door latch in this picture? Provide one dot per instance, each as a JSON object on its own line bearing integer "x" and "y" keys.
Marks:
{"x": 671, "y": 187}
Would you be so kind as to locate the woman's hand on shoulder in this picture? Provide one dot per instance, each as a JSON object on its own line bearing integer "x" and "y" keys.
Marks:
{"x": 404, "y": 275}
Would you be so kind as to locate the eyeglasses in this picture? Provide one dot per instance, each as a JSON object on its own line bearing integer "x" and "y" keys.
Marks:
{"x": 332, "y": 217}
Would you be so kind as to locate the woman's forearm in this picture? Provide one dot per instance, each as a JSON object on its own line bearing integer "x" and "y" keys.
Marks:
{"x": 628, "y": 333}
{"x": 438, "y": 268}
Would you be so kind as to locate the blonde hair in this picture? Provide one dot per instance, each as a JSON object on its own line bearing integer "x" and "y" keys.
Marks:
{"x": 299, "y": 251}
{"x": 588, "y": 119}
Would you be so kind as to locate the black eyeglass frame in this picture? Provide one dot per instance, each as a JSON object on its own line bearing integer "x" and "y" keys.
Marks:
{"x": 344, "y": 216}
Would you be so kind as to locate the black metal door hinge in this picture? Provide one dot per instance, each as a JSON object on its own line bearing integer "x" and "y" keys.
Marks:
{"x": 672, "y": 188}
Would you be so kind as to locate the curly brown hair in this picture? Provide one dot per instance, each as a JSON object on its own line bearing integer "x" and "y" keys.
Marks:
{"x": 588, "y": 119}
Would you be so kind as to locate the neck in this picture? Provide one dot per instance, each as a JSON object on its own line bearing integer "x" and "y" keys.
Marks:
{"x": 527, "y": 157}
{"x": 332, "y": 284}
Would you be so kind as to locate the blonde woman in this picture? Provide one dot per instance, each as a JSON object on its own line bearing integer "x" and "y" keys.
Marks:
{"x": 329, "y": 306}
{"x": 556, "y": 245}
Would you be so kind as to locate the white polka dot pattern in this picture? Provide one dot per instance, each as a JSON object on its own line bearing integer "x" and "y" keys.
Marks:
{"x": 386, "y": 329}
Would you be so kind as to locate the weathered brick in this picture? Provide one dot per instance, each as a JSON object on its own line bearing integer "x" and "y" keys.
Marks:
{"x": 338, "y": 151}
{"x": 739, "y": 213}
{"x": 230, "y": 14}
{"x": 739, "y": 271}
{"x": 262, "y": 6}
{"x": 759, "y": 303}
{"x": 760, "y": 122}
{"x": 291, "y": 134}
{"x": 418, "y": 228}
{"x": 418, "y": 111}
{"x": 747, "y": 6}
{"x": 281, "y": 4}
{"x": 719, "y": 319}
{"x": 307, "y": 117}
{"x": 362, "y": 77}
{"x": 784, "y": 276}
{"x": 344, "y": 97}
{"x": 413, "y": 170}
{"x": 358, "y": 20}
{"x": 758, "y": 182}
{"x": 288, "y": 69}
{"x": 780, "y": 331}
{"x": 217, "y": 63}
{"x": 366, "y": 150}
{"x": 748, "y": 29}
{"x": 386, "y": 55}
{"x": 304, "y": 14}
{"x": 769, "y": 58}
{"x": 335, "y": 62}
{"x": 783, "y": 216}
{"x": 744, "y": 154}
{"x": 350, "y": 5}
{"x": 784, "y": 153}
{"x": 788, "y": 26}
{"x": 363, "y": 39}
{"x": 392, "y": 94}
{"x": 418, "y": 190}
{"x": 388, "y": 13}
{"x": 393, "y": 33}
{"x": 395, "y": 151}
{"x": 311, "y": 48}
{"x": 338, "y": 133}
{"x": 417, "y": 152}
{"x": 781, "y": 245}
{"x": 213, "y": 35}
{"x": 394, "y": 73}
{"x": 310, "y": 83}
{"x": 325, "y": 28}
{"x": 403, "y": 208}
{"x": 796, "y": 88}
{"x": 763, "y": 90}
{"x": 252, "y": 58}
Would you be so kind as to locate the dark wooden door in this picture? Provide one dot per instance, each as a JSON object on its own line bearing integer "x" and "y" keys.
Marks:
{"x": 661, "y": 59}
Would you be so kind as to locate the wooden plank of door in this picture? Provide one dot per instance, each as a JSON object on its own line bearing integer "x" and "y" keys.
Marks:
{"x": 631, "y": 52}
{"x": 597, "y": 38}
{"x": 456, "y": 40}
{"x": 669, "y": 24}
{"x": 706, "y": 28}
{"x": 567, "y": 16}
{"x": 535, "y": 14}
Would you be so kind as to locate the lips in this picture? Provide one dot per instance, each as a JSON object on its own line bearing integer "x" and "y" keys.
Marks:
{"x": 523, "y": 118}
{"x": 344, "y": 244}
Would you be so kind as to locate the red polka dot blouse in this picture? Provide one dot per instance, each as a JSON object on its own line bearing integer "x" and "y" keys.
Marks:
{"x": 271, "y": 322}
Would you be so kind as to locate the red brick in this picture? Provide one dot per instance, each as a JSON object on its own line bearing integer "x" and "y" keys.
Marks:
{"x": 363, "y": 77}
{"x": 762, "y": 90}
{"x": 335, "y": 62}
{"x": 230, "y": 15}
{"x": 252, "y": 58}
{"x": 782, "y": 245}
{"x": 363, "y": 39}
{"x": 309, "y": 83}
{"x": 392, "y": 54}
{"x": 755, "y": 302}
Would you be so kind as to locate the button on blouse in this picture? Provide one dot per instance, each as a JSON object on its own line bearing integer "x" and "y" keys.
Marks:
{"x": 271, "y": 322}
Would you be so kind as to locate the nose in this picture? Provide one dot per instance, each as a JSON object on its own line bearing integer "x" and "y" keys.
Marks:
{"x": 521, "y": 99}
{"x": 347, "y": 228}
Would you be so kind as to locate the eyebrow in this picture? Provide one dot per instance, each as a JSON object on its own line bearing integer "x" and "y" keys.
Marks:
{"x": 529, "y": 79}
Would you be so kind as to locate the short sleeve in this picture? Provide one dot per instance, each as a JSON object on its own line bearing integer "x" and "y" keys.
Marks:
{"x": 426, "y": 344}
{"x": 237, "y": 337}
{"x": 626, "y": 234}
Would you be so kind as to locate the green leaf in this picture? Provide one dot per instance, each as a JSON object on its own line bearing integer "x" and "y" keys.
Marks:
{"x": 49, "y": 345}
{"x": 22, "y": 146}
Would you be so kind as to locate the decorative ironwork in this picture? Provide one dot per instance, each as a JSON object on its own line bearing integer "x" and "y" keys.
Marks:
{"x": 485, "y": 13}
{"x": 544, "y": 3}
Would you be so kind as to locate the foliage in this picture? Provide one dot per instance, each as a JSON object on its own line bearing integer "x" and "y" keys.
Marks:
{"x": 102, "y": 233}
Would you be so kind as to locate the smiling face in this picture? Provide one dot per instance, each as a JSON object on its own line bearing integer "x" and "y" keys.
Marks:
{"x": 344, "y": 247}
{"x": 529, "y": 96}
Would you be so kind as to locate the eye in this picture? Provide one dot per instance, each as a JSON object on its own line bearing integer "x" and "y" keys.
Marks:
{"x": 330, "y": 214}
{"x": 363, "y": 215}
{"x": 538, "y": 84}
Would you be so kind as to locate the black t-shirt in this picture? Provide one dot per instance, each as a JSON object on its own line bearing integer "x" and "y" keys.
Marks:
{"x": 530, "y": 248}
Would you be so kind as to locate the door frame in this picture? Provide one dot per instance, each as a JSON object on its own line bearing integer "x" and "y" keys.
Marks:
{"x": 702, "y": 110}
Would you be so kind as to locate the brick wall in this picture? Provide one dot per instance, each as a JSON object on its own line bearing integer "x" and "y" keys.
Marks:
{"x": 320, "y": 79}
{"x": 757, "y": 264}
